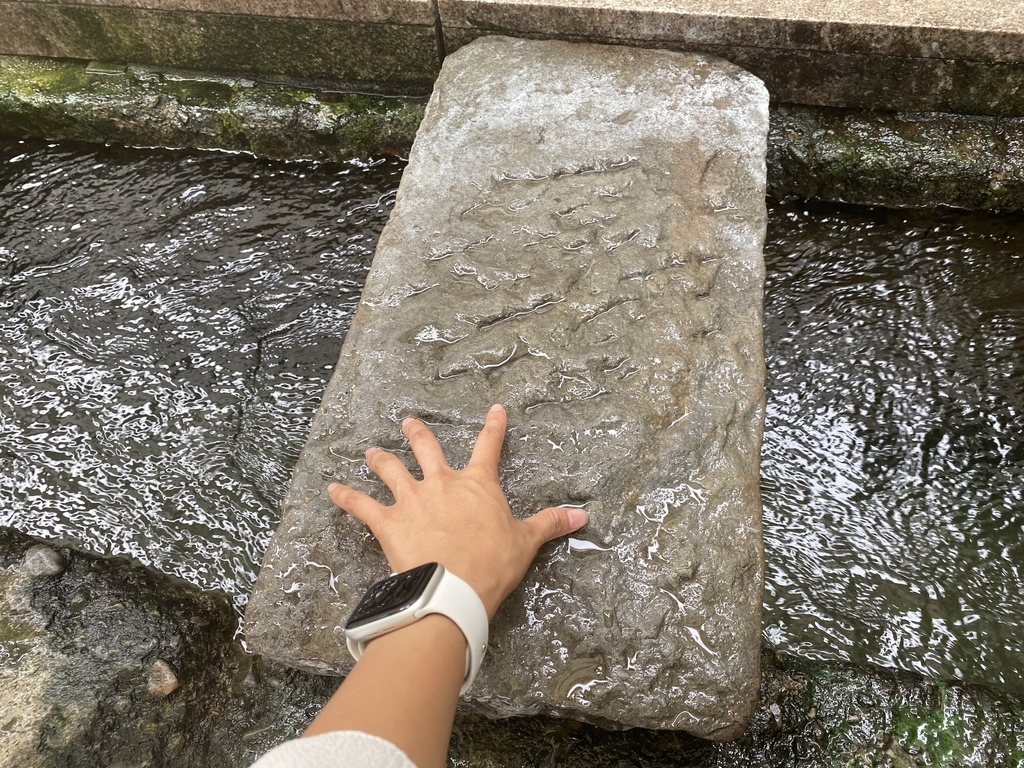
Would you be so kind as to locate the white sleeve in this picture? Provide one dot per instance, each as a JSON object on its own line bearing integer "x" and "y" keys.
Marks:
{"x": 336, "y": 749}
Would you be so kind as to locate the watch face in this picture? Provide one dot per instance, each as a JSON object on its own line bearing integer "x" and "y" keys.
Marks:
{"x": 392, "y": 595}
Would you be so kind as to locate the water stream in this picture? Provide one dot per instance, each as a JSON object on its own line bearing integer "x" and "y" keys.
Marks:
{"x": 168, "y": 322}
{"x": 893, "y": 461}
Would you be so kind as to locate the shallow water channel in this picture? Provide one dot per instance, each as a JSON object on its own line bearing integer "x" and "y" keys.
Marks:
{"x": 168, "y": 322}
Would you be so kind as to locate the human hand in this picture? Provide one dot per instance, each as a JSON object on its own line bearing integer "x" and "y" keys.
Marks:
{"x": 459, "y": 518}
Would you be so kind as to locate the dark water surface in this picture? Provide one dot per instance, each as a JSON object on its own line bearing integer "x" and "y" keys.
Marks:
{"x": 168, "y": 323}
{"x": 893, "y": 461}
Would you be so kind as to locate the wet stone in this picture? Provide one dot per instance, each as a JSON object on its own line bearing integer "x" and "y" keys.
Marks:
{"x": 162, "y": 680}
{"x": 40, "y": 560}
{"x": 578, "y": 236}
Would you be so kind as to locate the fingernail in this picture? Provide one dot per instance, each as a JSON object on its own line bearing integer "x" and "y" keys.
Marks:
{"x": 578, "y": 517}
{"x": 371, "y": 449}
{"x": 496, "y": 407}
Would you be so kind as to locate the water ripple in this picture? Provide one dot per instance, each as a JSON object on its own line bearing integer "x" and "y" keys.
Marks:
{"x": 893, "y": 453}
{"x": 169, "y": 322}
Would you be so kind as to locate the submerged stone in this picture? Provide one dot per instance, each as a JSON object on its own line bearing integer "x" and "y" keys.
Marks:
{"x": 40, "y": 560}
{"x": 162, "y": 680}
{"x": 578, "y": 236}
{"x": 87, "y": 685}
{"x": 66, "y": 706}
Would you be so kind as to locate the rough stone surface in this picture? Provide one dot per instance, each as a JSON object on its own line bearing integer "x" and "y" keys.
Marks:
{"x": 87, "y": 671}
{"x": 898, "y": 160}
{"x": 578, "y": 235}
{"x": 40, "y": 560}
{"x": 72, "y": 694}
{"x": 139, "y": 106}
{"x": 162, "y": 680}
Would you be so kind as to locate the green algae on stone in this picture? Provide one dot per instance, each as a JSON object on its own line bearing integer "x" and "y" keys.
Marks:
{"x": 18, "y": 632}
{"x": 878, "y": 158}
{"x": 897, "y": 159}
{"x": 67, "y": 100}
{"x": 950, "y": 728}
{"x": 25, "y": 77}
{"x": 811, "y": 714}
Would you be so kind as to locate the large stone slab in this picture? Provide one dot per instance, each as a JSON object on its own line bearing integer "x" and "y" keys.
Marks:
{"x": 578, "y": 236}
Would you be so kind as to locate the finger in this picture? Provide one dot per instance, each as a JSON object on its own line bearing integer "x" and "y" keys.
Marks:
{"x": 553, "y": 522}
{"x": 487, "y": 449}
{"x": 389, "y": 468}
{"x": 424, "y": 446}
{"x": 356, "y": 503}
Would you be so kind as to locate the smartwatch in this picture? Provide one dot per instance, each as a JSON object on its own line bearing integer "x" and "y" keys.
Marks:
{"x": 406, "y": 597}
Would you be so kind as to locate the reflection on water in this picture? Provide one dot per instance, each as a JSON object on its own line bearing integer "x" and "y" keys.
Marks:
{"x": 894, "y": 446}
{"x": 168, "y": 323}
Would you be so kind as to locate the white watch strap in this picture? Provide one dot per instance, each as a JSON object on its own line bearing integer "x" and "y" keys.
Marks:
{"x": 458, "y": 601}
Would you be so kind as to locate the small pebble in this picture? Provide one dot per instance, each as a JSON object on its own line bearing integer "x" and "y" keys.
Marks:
{"x": 40, "y": 560}
{"x": 162, "y": 680}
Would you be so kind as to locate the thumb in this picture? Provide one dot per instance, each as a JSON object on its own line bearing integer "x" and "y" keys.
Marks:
{"x": 553, "y": 522}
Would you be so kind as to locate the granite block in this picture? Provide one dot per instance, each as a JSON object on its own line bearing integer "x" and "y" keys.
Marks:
{"x": 578, "y": 236}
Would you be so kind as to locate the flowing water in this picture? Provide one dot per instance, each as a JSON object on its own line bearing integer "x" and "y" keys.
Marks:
{"x": 893, "y": 471}
{"x": 168, "y": 322}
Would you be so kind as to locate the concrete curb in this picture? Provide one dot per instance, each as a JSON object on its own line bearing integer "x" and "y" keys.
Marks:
{"x": 922, "y": 56}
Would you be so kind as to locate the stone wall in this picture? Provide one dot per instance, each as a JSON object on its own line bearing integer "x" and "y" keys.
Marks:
{"x": 930, "y": 55}
{"x": 896, "y": 159}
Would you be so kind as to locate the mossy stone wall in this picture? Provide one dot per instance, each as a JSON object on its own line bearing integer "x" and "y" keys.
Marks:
{"x": 385, "y": 57}
{"x": 873, "y": 157}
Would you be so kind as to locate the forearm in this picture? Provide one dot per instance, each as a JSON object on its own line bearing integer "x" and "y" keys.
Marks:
{"x": 404, "y": 689}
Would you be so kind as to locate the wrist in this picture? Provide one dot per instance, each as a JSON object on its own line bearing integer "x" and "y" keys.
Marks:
{"x": 488, "y": 595}
{"x": 434, "y": 637}
{"x": 411, "y": 596}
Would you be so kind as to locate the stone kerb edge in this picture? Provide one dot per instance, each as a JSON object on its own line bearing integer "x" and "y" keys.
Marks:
{"x": 935, "y": 29}
{"x": 408, "y": 12}
{"x": 392, "y": 52}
